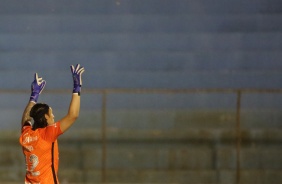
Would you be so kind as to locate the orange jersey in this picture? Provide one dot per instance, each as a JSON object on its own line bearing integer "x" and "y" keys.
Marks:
{"x": 40, "y": 148}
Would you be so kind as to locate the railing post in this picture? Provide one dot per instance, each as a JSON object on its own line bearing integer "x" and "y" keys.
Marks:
{"x": 238, "y": 136}
{"x": 104, "y": 137}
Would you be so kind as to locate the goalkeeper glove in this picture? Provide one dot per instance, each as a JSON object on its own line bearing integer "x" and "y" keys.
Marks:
{"x": 37, "y": 87}
{"x": 76, "y": 75}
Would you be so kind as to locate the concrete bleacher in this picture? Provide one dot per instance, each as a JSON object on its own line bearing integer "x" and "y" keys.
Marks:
{"x": 132, "y": 44}
{"x": 151, "y": 138}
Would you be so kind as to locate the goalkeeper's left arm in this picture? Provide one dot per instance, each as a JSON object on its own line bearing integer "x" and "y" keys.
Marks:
{"x": 37, "y": 87}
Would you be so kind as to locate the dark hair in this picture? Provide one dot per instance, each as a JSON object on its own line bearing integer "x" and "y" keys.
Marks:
{"x": 38, "y": 112}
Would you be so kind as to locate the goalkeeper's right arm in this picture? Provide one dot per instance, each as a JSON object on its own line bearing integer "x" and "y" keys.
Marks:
{"x": 74, "y": 107}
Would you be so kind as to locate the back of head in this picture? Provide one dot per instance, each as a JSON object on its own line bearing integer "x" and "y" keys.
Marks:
{"x": 38, "y": 112}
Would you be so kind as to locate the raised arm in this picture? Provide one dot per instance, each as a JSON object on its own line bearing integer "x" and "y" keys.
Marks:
{"x": 74, "y": 107}
{"x": 37, "y": 87}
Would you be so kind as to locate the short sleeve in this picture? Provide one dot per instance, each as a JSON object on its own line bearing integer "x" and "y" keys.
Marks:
{"x": 51, "y": 132}
{"x": 27, "y": 124}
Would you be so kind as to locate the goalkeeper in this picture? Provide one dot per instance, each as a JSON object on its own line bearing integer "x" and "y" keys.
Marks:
{"x": 39, "y": 140}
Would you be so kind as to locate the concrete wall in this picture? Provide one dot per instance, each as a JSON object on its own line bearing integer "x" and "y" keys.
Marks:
{"x": 197, "y": 146}
{"x": 142, "y": 44}
{"x": 152, "y": 138}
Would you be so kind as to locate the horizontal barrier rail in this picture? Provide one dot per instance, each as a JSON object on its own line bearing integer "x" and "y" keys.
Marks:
{"x": 106, "y": 92}
{"x": 158, "y": 91}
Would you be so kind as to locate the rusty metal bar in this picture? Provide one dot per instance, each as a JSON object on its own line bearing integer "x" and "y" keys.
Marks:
{"x": 105, "y": 92}
{"x": 175, "y": 91}
{"x": 104, "y": 137}
{"x": 160, "y": 91}
{"x": 238, "y": 136}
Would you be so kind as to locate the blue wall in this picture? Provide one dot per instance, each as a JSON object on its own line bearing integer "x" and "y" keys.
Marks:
{"x": 142, "y": 43}
{"x": 149, "y": 44}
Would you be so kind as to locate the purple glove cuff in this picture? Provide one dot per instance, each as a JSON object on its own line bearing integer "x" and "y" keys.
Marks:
{"x": 76, "y": 89}
{"x": 34, "y": 97}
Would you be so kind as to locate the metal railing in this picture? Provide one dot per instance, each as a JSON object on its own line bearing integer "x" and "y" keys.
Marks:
{"x": 106, "y": 92}
{"x": 238, "y": 92}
